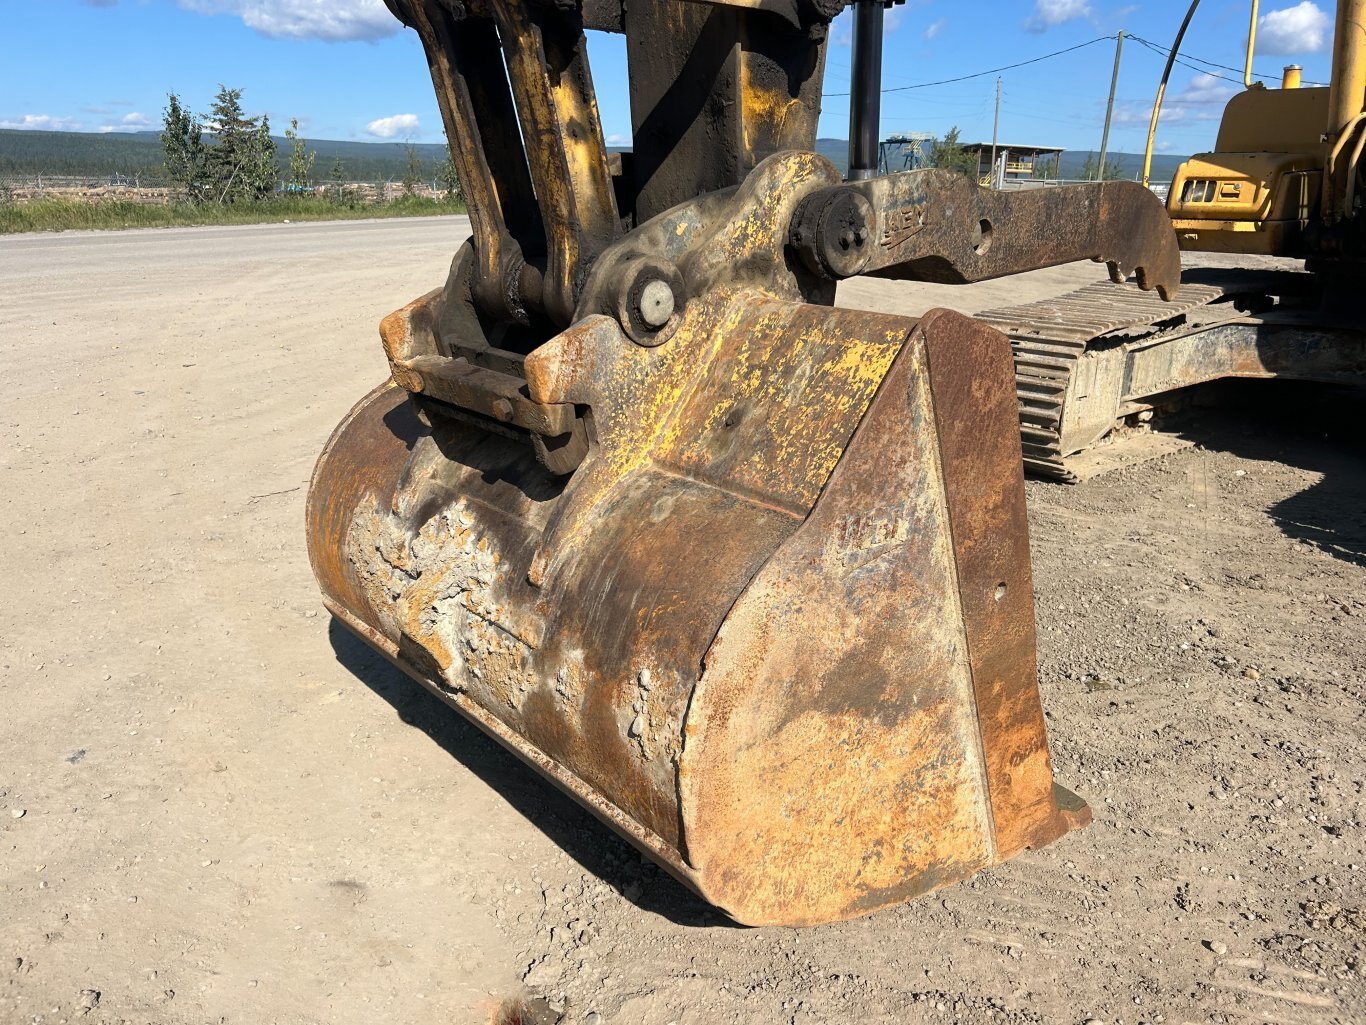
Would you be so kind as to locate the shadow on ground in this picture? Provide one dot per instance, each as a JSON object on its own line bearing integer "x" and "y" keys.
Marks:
{"x": 576, "y": 831}
{"x": 1312, "y": 426}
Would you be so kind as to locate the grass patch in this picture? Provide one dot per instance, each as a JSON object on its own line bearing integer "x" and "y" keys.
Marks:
{"x": 74, "y": 215}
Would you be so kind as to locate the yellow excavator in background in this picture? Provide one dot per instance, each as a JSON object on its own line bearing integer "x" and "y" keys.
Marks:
{"x": 1264, "y": 186}
{"x": 1284, "y": 180}
{"x": 1284, "y": 175}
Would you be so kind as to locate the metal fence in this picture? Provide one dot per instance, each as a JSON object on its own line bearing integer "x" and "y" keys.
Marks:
{"x": 1161, "y": 189}
{"x": 68, "y": 182}
{"x": 152, "y": 188}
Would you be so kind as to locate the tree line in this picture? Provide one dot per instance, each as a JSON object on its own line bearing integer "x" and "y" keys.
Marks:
{"x": 228, "y": 156}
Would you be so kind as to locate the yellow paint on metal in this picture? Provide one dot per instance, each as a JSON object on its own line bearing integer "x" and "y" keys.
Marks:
{"x": 765, "y": 109}
{"x": 1348, "y": 86}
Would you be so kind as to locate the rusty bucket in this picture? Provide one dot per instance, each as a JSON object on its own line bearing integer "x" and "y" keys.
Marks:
{"x": 745, "y": 573}
{"x": 777, "y": 629}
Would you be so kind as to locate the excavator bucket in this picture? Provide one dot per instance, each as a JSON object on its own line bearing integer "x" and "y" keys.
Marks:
{"x": 746, "y": 574}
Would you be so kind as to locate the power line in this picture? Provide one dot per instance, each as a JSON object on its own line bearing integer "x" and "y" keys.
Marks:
{"x": 1183, "y": 58}
{"x": 1087, "y": 121}
{"x": 984, "y": 74}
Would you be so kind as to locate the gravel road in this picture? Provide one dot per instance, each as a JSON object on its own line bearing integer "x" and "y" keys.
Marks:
{"x": 216, "y": 807}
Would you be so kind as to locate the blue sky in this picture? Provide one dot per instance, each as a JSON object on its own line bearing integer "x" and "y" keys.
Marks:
{"x": 347, "y": 70}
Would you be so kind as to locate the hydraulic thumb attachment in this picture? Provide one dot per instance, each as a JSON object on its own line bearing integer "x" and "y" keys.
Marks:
{"x": 934, "y": 225}
{"x": 746, "y": 574}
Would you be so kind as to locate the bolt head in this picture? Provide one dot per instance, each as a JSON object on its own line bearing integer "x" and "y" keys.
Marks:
{"x": 502, "y": 409}
{"x": 657, "y": 303}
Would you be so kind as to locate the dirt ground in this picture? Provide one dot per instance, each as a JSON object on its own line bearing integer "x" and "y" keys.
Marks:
{"x": 215, "y": 807}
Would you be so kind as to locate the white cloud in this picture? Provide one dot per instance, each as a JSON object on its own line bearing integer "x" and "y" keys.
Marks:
{"x": 1204, "y": 89}
{"x": 330, "y": 20}
{"x": 842, "y": 28}
{"x": 1201, "y": 99}
{"x": 1295, "y": 30}
{"x": 1048, "y": 13}
{"x": 389, "y": 127}
{"x": 42, "y": 123}
{"x": 133, "y": 122}
{"x": 1141, "y": 114}
{"x": 935, "y": 27}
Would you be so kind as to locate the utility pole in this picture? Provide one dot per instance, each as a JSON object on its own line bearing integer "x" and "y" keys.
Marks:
{"x": 1110, "y": 107}
{"x": 995, "y": 125}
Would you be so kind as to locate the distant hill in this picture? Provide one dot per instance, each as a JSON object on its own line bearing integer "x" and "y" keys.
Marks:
{"x": 1071, "y": 165}
{"x": 836, "y": 151}
{"x": 1130, "y": 164}
{"x": 139, "y": 153}
{"x": 78, "y": 152}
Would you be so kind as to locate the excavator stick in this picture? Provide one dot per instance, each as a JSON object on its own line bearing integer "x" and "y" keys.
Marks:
{"x": 745, "y": 574}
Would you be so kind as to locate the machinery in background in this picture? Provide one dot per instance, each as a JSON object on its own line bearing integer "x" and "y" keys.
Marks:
{"x": 1285, "y": 179}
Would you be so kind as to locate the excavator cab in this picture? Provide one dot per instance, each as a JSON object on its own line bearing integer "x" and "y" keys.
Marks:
{"x": 744, "y": 573}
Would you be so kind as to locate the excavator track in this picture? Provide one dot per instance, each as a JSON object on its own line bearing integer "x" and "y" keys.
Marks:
{"x": 1051, "y": 337}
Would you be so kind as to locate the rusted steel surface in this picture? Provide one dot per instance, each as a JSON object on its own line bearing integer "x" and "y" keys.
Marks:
{"x": 364, "y": 455}
{"x": 1086, "y": 360}
{"x": 833, "y": 769}
{"x": 612, "y": 634}
{"x": 934, "y": 225}
{"x": 984, "y": 496}
{"x": 874, "y": 551}
{"x": 547, "y": 61}
{"x": 745, "y": 574}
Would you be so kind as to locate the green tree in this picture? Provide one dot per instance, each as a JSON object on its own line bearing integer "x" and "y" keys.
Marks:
{"x": 300, "y": 158}
{"x": 450, "y": 179}
{"x": 1092, "y": 171}
{"x": 182, "y": 140}
{"x": 263, "y": 165}
{"x": 336, "y": 181}
{"x": 1046, "y": 167}
{"x": 241, "y": 163}
{"x": 949, "y": 154}
{"x": 412, "y": 169}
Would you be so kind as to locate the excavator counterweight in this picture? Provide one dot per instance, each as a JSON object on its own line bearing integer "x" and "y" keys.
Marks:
{"x": 746, "y": 574}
